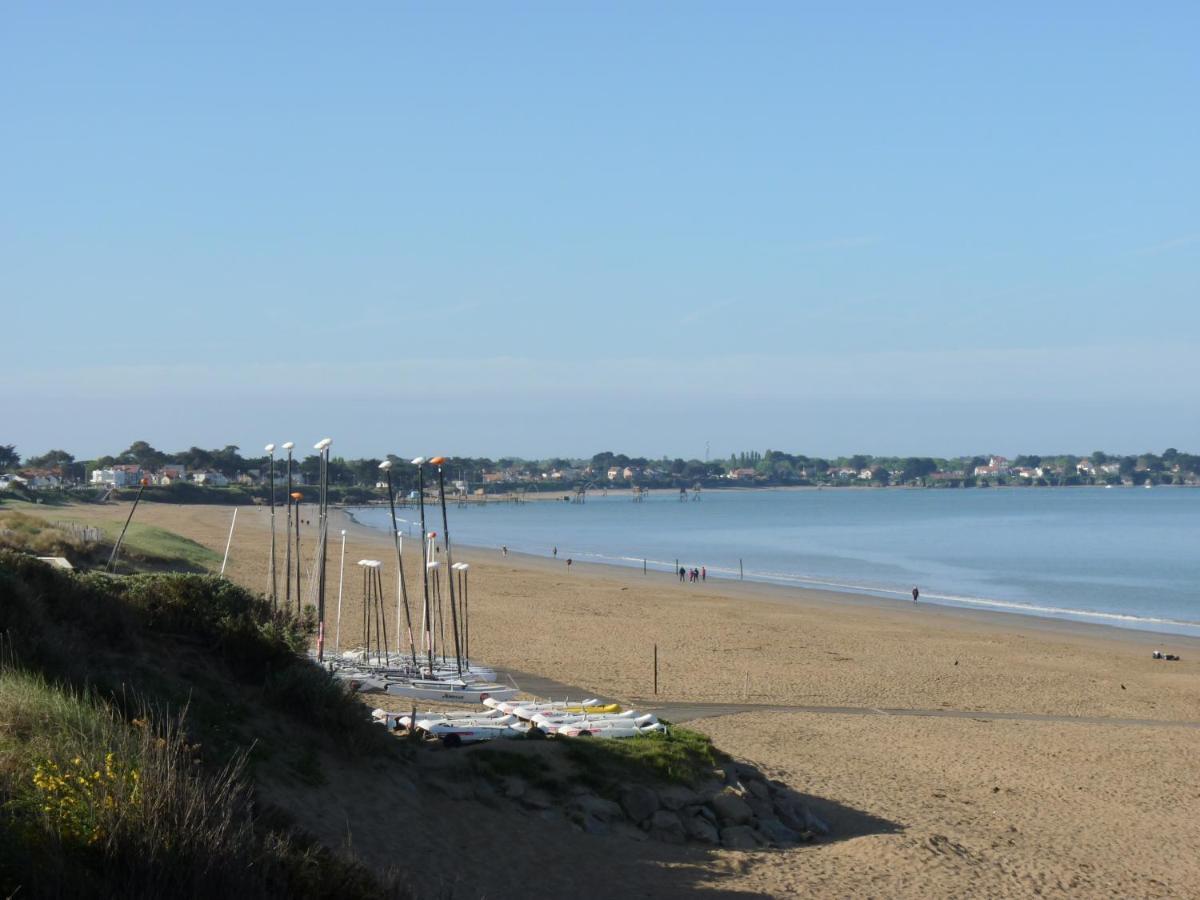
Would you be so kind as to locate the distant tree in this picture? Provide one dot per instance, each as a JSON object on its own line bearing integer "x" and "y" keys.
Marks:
{"x": 1150, "y": 463}
{"x": 142, "y": 454}
{"x": 917, "y": 467}
{"x": 858, "y": 461}
{"x": 1031, "y": 461}
{"x": 198, "y": 459}
{"x": 1099, "y": 457}
{"x": 365, "y": 472}
{"x": 58, "y": 459}
{"x": 880, "y": 474}
{"x": 602, "y": 461}
{"x": 9, "y": 457}
{"x": 228, "y": 461}
{"x": 52, "y": 459}
{"x": 310, "y": 467}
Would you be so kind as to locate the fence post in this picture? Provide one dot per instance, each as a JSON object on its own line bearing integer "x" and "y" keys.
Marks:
{"x": 656, "y": 669}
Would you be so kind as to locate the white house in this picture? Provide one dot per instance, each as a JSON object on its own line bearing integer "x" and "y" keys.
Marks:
{"x": 212, "y": 479}
{"x": 117, "y": 476}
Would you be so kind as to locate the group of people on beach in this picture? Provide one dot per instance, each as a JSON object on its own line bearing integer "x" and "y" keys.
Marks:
{"x": 693, "y": 575}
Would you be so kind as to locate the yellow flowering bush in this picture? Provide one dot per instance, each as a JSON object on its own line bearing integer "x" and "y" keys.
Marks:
{"x": 82, "y": 805}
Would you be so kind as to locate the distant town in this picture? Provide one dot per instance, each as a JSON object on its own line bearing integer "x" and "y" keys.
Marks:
{"x": 196, "y": 474}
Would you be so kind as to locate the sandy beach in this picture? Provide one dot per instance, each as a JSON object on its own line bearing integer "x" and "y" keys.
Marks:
{"x": 1095, "y": 793}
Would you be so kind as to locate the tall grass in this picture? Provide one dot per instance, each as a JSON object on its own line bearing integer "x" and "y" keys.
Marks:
{"x": 33, "y": 534}
{"x": 93, "y": 805}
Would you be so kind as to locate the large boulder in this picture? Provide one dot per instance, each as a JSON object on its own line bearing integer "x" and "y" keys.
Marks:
{"x": 764, "y": 809}
{"x": 739, "y": 837}
{"x": 758, "y": 789}
{"x": 676, "y": 797}
{"x": 666, "y": 827}
{"x": 814, "y": 823}
{"x": 775, "y": 832}
{"x": 731, "y": 808}
{"x": 639, "y": 802}
{"x": 701, "y": 810}
{"x": 698, "y": 828}
{"x": 598, "y": 807}
{"x": 592, "y": 825}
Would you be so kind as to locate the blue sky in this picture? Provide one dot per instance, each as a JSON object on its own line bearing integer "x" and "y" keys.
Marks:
{"x": 551, "y": 228}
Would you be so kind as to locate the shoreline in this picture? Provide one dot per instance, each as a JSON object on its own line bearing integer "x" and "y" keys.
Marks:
{"x": 1005, "y": 610}
{"x": 838, "y": 599}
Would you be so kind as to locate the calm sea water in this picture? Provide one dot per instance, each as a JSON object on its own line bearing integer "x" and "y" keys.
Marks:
{"x": 1126, "y": 556}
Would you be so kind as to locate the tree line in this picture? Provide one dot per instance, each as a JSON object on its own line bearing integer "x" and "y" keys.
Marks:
{"x": 769, "y": 467}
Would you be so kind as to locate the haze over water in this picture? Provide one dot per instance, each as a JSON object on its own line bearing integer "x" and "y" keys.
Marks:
{"x": 1125, "y": 557}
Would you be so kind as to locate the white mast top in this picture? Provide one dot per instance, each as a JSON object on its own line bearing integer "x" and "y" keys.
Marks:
{"x": 323, "y": 444}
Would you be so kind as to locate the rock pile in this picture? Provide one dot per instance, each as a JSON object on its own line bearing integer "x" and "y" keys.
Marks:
{"x": 738, "y": 809}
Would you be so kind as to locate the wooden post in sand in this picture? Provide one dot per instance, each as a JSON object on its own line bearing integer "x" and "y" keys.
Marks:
{"x": 229, "y": 542}
{"x": 643, "y": 567}
{"x": 112, "y": 559}
{"x": 656, "y": 669}
{"x": 741, "y": 573}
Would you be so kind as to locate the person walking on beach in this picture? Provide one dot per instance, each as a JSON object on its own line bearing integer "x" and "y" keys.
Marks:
{"x": 682, "y": 572}
{"x": 504, "y": 550}
{"x": 703, "y": 573}
{"x": 916, "y": 594}
{"x": 555, "y": 551}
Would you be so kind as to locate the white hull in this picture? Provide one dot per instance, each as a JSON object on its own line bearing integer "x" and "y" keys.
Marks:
{"x": 623, "y": 731}
{"x": 448, "y": 691}
{"x": 595, "y": 723}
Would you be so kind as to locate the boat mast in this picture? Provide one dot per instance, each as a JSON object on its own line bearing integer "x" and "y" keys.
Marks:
{"x": 426, "y": 612}
{"x": 386, "y": 465}
{"x": 287, "y": 533}
{"x": 439, "y": 461}
{"x": 270, "y": 448}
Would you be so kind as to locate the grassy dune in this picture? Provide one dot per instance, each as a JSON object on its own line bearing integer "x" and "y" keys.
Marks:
{"x": 133, "y": 712}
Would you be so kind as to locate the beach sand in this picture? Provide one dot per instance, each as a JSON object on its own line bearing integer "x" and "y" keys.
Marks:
{"x": 921, "y": 806}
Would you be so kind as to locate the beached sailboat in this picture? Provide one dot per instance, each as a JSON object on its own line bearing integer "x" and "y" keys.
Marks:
{"x": 632, "y": 729}
{"x": 429, "y": 677}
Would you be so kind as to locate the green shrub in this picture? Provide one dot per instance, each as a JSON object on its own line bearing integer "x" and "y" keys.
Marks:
{"x": 680, "y": 755}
